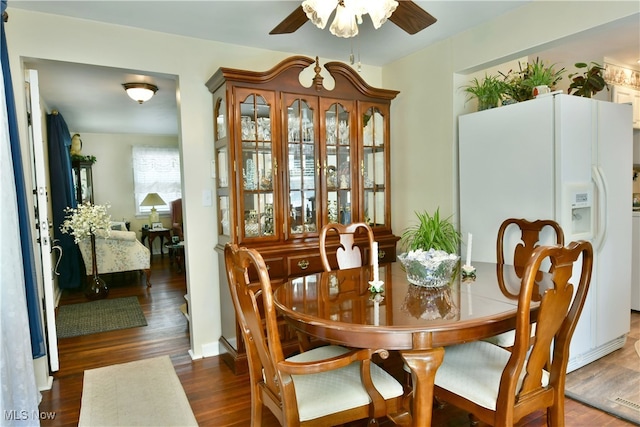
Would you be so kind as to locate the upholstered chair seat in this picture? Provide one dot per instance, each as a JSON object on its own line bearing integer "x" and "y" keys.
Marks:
{"x": 474, "y": 370}
{"x": 339, "y": 390}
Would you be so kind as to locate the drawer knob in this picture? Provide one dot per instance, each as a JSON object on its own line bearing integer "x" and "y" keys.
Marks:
{"x": 303, "y": 264}
{"x": 381, "y": 254}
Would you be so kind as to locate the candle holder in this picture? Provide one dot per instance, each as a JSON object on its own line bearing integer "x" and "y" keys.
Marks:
{"x": 376, "y": 286}
{"x": 468, "y": 271}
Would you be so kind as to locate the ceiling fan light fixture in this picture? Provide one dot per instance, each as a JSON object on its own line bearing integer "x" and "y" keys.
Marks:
{"x": 140, "y": 92}
{"x": 348, "y": 14}
{"x": 379, "y": 10}
{"x": 319, "y": 11}
{"x": 344, "y": 24}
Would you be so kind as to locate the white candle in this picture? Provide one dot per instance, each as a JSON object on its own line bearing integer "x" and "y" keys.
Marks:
{"x": 376, "y": 313}
{"x": 469, "y": 240}
{"x": 374, "y": 259}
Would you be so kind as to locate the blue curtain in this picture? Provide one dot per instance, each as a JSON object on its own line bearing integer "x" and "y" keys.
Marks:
{"x": 62, "y": 197}
{"x": 31, "y": 285}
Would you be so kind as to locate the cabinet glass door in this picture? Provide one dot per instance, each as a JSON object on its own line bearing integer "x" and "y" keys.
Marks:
{"x": 258, "y": 164}
{"x": 337, "y": 163}
{"x": 222, "y": 170}
{"x": 373, "y": 165}
{"x": 302, "y": 162}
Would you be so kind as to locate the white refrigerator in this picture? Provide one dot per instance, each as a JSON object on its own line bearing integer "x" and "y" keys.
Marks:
{"x": 566, "y": 158}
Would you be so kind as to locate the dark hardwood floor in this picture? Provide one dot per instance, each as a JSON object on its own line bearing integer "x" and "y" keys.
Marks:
{"x": 217, "y": 396}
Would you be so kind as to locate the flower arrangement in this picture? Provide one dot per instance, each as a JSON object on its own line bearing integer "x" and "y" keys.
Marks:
{"x": 85, "y": 220}
{"x": 431, "y": 268}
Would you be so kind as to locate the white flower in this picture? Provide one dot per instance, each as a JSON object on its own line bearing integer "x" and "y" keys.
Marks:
{"x": 86, "y": 220}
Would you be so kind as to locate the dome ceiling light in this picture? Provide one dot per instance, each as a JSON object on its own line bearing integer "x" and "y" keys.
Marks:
{"x": 140, "y": 92}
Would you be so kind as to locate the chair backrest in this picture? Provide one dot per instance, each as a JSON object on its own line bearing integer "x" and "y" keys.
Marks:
{"x": 530, "y": 232}
{"x": 349, "y": 254}
{"x": 176, "y": 218}
{"x": 557, "y": 316}
{"x": 262, "y": 341}
{"x": 530, "y": 238}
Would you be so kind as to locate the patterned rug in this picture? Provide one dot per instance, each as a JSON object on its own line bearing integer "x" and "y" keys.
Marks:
{"x": 142, "y": 393}
{"x": 99, "y": 316}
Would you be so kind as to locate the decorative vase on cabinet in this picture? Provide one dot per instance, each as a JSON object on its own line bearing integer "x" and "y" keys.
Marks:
{"x": 290, "y": 159}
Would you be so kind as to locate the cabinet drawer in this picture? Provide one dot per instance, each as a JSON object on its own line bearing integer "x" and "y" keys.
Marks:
{"x": 386, "y": 254}
{"x": 301, "y": 265}
{"x": 275, "y": 266}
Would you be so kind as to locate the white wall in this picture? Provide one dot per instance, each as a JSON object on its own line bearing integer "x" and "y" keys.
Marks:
{"x": 193, "y": 61}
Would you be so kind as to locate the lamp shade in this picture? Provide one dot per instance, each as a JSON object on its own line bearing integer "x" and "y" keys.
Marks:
{"x": 140, "y": 92}
{"x": 153, "y": 199}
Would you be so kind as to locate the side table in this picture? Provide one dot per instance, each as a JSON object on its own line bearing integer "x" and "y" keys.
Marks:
{"x": 176, "y": 251}
{"x": 151, "y": 233}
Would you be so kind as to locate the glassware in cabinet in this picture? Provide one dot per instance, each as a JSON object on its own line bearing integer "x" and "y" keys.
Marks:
{"x": 338, "y": 158}
{"x": 302, "y": 165}
{"x": 258, "y": 164}
{"x": 373, "y": 166}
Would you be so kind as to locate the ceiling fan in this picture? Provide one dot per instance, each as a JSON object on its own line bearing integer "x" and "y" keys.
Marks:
{"x": 408, "y": 16}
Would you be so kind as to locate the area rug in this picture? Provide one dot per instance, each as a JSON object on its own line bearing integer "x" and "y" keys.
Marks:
{"x": 141, "y": 393}
{"x": 611, "y": 384}
{"x": 99, "y": 316}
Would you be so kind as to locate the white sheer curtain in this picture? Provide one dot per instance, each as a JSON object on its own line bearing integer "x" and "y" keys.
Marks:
{"x": 20, "y": 396}
{"x": 156, "y": 170}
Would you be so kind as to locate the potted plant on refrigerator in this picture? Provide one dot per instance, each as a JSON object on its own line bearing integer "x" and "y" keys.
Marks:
{"x": 489, "y": 92}
{"x": 541, "y": 78}
{"x": 589, "y": 82}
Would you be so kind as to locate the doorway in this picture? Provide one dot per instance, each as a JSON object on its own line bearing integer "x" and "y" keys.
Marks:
{"x": 94, "y": 104}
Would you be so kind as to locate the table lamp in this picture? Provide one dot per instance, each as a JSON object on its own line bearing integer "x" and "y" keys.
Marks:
{"x": 153, "y": 200}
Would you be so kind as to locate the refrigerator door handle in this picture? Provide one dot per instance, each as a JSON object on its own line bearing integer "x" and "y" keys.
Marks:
{"x": 601, "y": 188}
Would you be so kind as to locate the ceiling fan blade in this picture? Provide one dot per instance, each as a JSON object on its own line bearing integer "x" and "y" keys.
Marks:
{"x": 411, "y": 17}
{"x": 291, "y": 23}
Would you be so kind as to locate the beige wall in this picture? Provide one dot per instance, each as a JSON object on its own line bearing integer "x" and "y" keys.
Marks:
{"x": 193, "y": 61}
{"x": 424, "y": 115}
{"x": 113, "y": 173}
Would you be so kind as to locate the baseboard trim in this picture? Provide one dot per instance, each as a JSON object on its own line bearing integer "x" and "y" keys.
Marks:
{"x": 595, "y": 354}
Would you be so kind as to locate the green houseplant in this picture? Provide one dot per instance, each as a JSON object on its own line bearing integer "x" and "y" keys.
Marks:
{"x": 538, "y": 74}
{"x": 489, "y": 92}
{"x": 431, "y": 232}
{"x": 432, "y": 246}
{"x": 589, "y": 82}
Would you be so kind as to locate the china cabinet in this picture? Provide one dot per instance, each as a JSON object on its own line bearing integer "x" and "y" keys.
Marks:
{"x": 82, "y": 181}
{"x": 290, "y": 157}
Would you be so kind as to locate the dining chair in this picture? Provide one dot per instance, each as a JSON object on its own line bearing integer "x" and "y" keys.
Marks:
{"x": 326, "y": 386}
{"x": 500, "y": 387}
{"x": 350, "y": 253}
{"x": 530, "y": 238}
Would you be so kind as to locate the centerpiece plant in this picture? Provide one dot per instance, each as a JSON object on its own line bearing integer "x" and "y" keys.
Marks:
{"x": 84, "y": 222}
{"x": 431, "y": 248}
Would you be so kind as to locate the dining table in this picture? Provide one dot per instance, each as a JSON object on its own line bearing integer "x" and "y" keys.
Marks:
{"x": 419, "y": 321}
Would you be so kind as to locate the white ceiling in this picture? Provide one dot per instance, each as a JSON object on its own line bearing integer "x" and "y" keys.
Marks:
{"x": 91, "y": 98}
